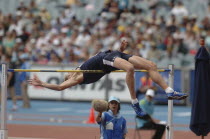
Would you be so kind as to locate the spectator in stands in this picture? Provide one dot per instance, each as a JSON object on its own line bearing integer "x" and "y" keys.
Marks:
{"x": 154, "y": 54}
{"x": 45, "y": 15}
{"x": 123, "y": 5}
{"x": 82, "y": 38}
{"x": 33, "y": 7}
{"x": 1, "y": 17}
{"x": 42, "y": 58}
{"x": 2, "y": 53}
{"x": 9, "y": 42}
{"x": 179, "y": 10}
{"x": 24, "y": 76}
{"x": 2, "y": 31}
{"x": 54, "y": 59}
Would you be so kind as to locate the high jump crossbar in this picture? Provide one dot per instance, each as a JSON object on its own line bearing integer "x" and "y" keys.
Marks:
{"x": 3, "y": 127}
{"x": 89, "y": 71}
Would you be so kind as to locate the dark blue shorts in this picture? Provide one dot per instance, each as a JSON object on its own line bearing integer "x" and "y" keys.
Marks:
{"x": 102, "y": 61}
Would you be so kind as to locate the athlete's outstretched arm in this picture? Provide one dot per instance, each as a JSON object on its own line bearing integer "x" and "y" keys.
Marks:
{"x": 73, "y": 80}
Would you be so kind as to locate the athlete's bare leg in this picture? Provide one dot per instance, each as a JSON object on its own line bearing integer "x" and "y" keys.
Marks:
{"x": 129, "y": 68}
{"x": 141, "y": 63}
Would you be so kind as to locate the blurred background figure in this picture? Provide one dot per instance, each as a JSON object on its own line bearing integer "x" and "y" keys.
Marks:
{"x": 146, "y": 83}
{"x": 23, "y": 77}
{"x": 112, "y": 124}
{"x": 11, "y": 81}
{"x": 148, "y": 106}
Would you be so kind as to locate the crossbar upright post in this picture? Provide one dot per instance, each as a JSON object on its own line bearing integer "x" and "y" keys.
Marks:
{"x": 3, "y": 127}
{"x": 169, "y": 126}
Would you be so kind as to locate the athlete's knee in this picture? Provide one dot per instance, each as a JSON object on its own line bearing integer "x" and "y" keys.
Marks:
{"x": 130, "y": 69}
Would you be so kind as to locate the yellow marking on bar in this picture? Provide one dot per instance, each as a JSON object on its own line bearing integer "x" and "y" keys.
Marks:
{"x": 93, "y": 71}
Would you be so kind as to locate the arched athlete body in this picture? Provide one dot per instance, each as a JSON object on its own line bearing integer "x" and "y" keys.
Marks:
{"x": 109, "y": 61}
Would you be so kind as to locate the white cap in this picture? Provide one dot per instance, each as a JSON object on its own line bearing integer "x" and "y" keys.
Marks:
{"x": 112, "y": 98}
{"x": 150, "y": 92}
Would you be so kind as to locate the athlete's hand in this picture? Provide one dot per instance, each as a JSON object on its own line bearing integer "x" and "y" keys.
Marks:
{"x": 123, "y": 45}
{"x": 35, "y": 81}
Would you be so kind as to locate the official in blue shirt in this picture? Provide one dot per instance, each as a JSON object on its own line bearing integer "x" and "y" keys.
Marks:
{"x": 112, "y": 124}
{"x": 148, "y": 106}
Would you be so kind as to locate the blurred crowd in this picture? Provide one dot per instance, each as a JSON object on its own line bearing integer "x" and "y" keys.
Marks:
{"x": 32, "y": 34}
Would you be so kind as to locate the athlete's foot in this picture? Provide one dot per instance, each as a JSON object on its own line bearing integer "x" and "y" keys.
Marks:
{"x": 138, "y": 110}
{"x": 176, "y": 95}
